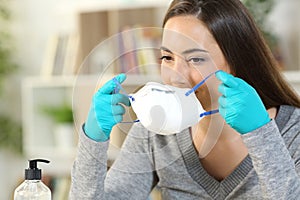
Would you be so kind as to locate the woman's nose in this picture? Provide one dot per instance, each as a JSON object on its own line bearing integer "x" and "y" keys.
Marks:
{"x": 180, "y": 65}
{"x": 180, "y": 73}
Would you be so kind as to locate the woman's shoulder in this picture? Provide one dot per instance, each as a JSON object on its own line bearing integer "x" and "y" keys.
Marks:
{"x": 292, "y": 114}
{"x": 287, "y": 116}
{"x": 288, "y": 122}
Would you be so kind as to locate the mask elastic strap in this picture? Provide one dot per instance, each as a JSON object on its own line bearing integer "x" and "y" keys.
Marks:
{"x": 135, "y": 121}
{"x": 207, "y": 113}
{"x": 199, "y": 84}
{"x": 119, "y": 87}
{"x": 117, "y": 90}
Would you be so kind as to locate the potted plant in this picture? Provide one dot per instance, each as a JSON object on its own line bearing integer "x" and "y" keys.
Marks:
{"x": 63, "y": 128}
{"x": 10, "y": 130}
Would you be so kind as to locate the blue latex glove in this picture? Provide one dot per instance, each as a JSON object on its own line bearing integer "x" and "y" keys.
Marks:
{"x": 240, "y": 105}
{"x": 105, "y": 111}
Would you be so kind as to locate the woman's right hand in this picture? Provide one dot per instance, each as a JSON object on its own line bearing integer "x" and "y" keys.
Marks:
{"x": 105, "y": 111}
{"x": 240, "y": 104}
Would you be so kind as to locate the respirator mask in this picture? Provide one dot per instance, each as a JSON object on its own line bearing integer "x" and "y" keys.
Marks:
{"x": 165, "y": 109}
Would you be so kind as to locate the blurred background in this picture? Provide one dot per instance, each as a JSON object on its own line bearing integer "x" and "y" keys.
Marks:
{"x": 42, "y": 46}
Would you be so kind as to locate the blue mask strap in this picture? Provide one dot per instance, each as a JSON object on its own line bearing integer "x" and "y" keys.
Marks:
{"x": 211, "y": 112}
{"x": 207, "y": 113}
{"x": 135, "y": 121}
{"x": 117, "y": 90}
{"x": 199, "y": 84}
{"x": 120, "y": 88}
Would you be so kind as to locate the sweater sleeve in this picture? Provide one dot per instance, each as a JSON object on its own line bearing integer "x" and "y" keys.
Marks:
{"x": 130, "y": 177}
{"x": 273, "y": 163}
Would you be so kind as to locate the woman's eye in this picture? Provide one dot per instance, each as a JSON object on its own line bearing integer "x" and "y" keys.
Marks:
{"x": 166, "y": 58}
{"x": 196, "y": 60}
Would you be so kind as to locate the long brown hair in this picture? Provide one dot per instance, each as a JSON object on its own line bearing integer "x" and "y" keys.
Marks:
{"x": 242, "y": 44}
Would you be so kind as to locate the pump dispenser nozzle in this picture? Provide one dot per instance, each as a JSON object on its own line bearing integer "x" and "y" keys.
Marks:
{"x": 34, "y": 173}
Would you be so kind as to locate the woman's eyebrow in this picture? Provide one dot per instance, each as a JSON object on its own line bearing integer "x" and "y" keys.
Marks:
{"x": 188, "y": 51}
{"x": 165, "y": 49}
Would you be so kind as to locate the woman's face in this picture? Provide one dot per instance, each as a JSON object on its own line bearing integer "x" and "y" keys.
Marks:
{"x": 189, "y": 53}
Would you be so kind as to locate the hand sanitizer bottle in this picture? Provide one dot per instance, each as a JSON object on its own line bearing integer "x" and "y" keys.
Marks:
{"x": 33, "y": 188}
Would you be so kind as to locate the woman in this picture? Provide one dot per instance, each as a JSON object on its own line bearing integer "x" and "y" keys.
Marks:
{"x": 256, "y": 155}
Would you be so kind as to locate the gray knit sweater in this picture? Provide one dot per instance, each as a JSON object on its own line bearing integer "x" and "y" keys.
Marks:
{"x": 270, "y": 171}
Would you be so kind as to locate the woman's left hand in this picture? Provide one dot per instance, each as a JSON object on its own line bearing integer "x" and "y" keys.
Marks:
{"x": 240, "y": 105}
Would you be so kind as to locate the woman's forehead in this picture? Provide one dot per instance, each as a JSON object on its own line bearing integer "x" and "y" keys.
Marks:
{"x": 184, "y": 32}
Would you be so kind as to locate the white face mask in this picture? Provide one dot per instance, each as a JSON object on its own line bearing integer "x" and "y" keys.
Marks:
{"x": 166, "y": 109}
